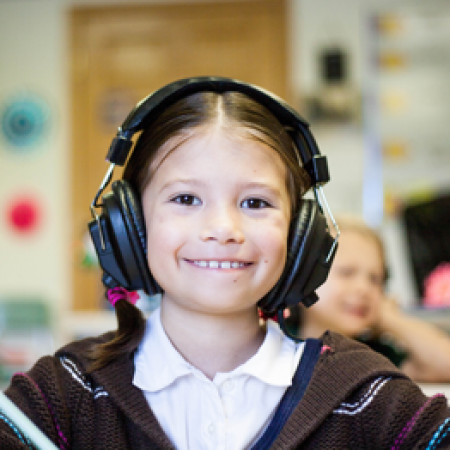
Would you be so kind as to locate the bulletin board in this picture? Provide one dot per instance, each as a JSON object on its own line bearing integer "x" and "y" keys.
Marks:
{"x": 406, "y": 106}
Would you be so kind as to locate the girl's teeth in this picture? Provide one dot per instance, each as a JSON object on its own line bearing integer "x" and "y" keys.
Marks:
{"x": 219, "y": 264}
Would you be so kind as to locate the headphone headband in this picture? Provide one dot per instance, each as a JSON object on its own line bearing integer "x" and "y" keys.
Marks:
{"x": 148, "y": 109}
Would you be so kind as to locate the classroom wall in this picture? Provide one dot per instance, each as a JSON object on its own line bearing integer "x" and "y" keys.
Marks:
{"x": 33, "y": 54}
{"x": 33, "y": 57}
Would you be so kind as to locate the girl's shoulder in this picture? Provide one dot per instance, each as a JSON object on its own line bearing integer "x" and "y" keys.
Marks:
{"x": 386, "y": 347}
{"x": 343, "y": 348}
{"x": 352, "y": 384}
{"x": 345, "y": 365}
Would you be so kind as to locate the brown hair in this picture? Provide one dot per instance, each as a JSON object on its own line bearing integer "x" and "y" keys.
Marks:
{"x": 241, "y": 116}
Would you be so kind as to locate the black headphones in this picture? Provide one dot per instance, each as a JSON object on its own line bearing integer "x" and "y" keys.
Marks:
{"x": 119, "y": 234}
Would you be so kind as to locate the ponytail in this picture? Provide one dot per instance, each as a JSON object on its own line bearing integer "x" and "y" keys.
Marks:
{"x": 130, "y": 331}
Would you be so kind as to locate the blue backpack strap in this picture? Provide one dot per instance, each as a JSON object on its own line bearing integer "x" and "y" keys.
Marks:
{"x": 293, "y": 394}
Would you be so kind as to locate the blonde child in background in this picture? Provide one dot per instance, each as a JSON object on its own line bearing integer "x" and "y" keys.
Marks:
{"x": 218, "y": 176}
{"x": 353, "y": 303}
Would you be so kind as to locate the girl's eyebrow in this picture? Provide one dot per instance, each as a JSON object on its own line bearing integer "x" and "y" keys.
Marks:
{"x": 266, "y": 186}
{"x": 189, "y": 181}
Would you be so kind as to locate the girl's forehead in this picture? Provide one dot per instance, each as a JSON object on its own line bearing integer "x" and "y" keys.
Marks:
{"x": 169, "y": 147}
{"x": 353, "y": 236}
{"x": 352, "y": 241}
{"x": 194, "y": 142}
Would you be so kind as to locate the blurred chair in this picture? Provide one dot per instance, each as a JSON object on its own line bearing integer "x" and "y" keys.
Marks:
{"x": 427, "y": 227}
{"x": 25, "y": 335}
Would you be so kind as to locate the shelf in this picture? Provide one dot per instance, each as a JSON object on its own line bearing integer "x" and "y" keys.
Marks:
{"x": 80, "y": 324}
{"x": 439, "y": 317}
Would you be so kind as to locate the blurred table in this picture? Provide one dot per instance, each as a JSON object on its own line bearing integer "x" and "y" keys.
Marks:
{"x": 431, "y": 389}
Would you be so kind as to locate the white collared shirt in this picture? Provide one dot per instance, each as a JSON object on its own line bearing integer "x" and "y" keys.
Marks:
{"x": 230, "y": 412}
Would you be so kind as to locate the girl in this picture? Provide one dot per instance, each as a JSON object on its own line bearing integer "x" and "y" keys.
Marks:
{"x": 352, "y": 303}
{"x": 220, "y": 184}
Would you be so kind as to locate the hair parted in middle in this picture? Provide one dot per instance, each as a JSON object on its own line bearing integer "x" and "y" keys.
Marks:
{"x": 238, "y": 115}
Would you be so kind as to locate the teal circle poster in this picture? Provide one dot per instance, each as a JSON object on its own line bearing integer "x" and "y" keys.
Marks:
{"x": 25, "y": 120}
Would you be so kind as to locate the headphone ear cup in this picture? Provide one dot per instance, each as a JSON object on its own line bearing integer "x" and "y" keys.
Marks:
{"x": 298, "y": 229}
{"x": 311, "y": 251}
{"x": 123, "y": 207}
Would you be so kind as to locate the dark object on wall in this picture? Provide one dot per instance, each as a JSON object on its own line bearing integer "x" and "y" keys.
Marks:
{"x": 333, "y": 65}
{"x": 427, "y": 227}
{"x": 335, "y": 98}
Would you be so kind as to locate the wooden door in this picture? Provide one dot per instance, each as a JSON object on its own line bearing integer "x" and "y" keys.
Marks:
{"x": 121, "y": 54}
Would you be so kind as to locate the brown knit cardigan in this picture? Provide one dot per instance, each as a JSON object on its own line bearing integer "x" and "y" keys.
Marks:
{"x": 356, "y": 399}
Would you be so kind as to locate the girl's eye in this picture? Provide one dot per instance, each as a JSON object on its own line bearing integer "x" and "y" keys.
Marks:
{"x": 255, "y": 203}
{"x": 186, "y": 199}
{"x": 376, "y": 280}
{"x": 345, "y": 272}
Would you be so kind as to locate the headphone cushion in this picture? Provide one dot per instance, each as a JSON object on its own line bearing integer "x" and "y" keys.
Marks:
{"x": 132, "y": 209}
{"x": 297, "y": 235}
{"x": 133, "y": 218}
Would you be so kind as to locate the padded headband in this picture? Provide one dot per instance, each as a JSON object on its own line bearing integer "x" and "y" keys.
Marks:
{"x": 149, "y": 109}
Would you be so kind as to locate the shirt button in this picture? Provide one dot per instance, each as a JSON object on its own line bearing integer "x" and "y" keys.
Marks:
{"x": 228, "y": 386}
{"x": 211, "y": 429}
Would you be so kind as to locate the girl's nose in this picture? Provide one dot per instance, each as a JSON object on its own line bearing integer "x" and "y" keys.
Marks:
{"x": 223, "y": 226}
{"x": 362, "y": 284}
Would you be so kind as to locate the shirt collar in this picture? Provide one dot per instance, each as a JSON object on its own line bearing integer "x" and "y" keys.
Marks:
{"x": 157, "y": 356}
{"x": 274, "y": 363}
{"x": 276, "y": 360}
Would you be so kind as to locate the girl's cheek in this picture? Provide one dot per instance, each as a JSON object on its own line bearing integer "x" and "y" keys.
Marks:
{"x": 276, "y": 242}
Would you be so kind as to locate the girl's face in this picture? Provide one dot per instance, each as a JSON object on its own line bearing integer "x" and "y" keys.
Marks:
{"x": 349, "y": 300}
{"x": 217, "y": 214}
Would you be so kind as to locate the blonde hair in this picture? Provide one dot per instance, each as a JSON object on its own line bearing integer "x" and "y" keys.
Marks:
{"x": 357, "y": 225}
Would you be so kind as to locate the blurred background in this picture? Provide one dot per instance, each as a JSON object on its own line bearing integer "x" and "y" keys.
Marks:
{"x": 370, "y": 76}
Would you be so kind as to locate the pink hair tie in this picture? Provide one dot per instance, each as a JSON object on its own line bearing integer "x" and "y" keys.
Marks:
{"x": 120, "y": 293}
{"x": 265, "y": 317}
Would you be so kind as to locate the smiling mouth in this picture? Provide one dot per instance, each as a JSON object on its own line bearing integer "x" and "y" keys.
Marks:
{"x": 358, "y": 312}
{"x": 220, "y": 264}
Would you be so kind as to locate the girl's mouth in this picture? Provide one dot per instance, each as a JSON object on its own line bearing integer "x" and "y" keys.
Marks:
{"x": 358, "y": 312}
{"x": 219, "y": 264}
